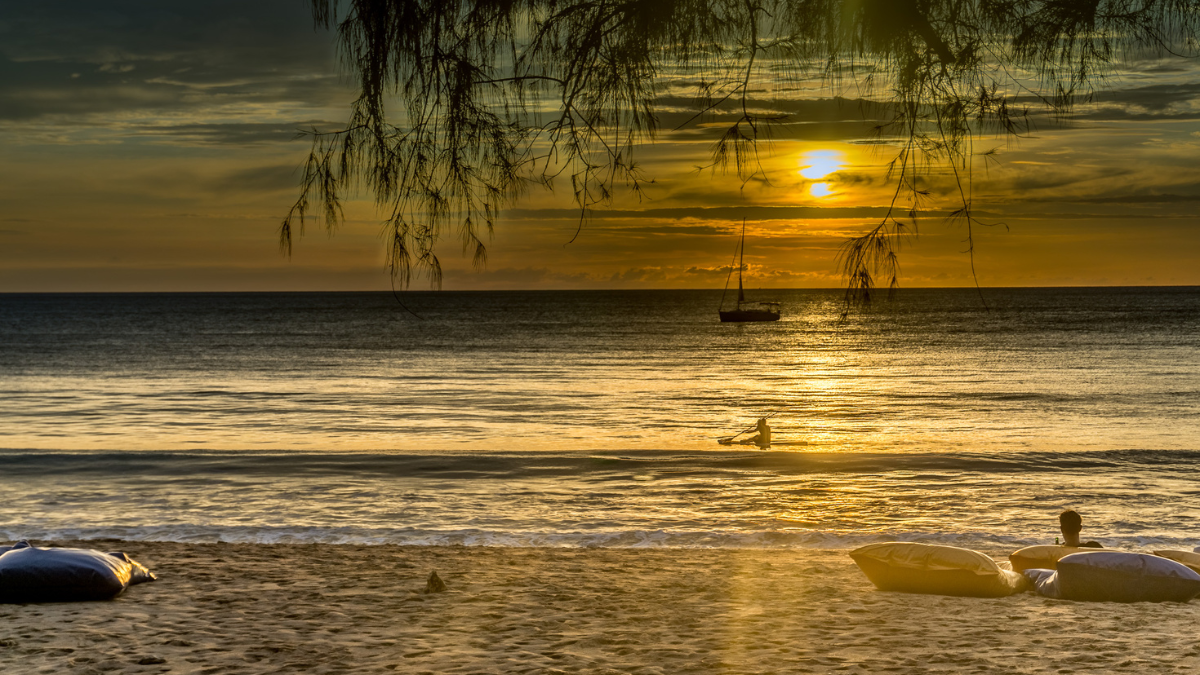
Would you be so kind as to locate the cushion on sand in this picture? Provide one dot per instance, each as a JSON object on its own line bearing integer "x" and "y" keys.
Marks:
{"x": 1045, "y": 582}
{"x": 1043, "y": 557}
{"x": 138, "y": 574}
{"x": 940, "y": 570}
{"x": 32, "y": 574}
{"x": 1188, "y": 558}
{"x": 1117, "y": 576}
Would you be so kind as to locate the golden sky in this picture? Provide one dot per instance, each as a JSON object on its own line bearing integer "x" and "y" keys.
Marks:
{"x": 151, "y": 147}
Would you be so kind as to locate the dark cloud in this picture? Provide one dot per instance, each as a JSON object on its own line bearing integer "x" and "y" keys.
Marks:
{"x": 636, "y": 274}
{"x": 525, "y": 277}
{"x": 1153, "y": 98}
{"x": 243, "y": 133}
{"x": 720, "y": 270}
{"x": 36, "y": 89}
{"x": 1145, "y": 199}
{"x": 76, "y": 58}
{"x": 809, "y": 119}
{"x": 1170, "y": 101}
{"x": 1166, "y": 67}
{"x": 672, "y": 230}
{"x": 1118, "y": 114}
{"x": 1133, "y": 199}
{"x": 727, "y": 213}
{"x": 835, "y": 109}
{"x": 836, "y": 118}
{"x": 218, "y": 38}
{"x": 844, "y": 178}
{"x": 273, "y": 178}
{"x": 1042, "y": 180}
{"x": 79, "y": 59}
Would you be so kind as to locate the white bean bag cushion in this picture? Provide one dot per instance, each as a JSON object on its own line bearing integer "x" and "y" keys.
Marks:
{"x": 1117, "y": 576}
{"x": 939, "y": 570}
{"x": 1045, "y": 582}
{"x": 32, "y": 574}
{"x": 1189, "y": 558}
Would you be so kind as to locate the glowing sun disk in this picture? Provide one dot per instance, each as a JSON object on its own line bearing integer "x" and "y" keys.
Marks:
{"x": 820, "y": 163}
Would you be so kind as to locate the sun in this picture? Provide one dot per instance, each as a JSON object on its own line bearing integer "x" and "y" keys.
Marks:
{"x": 820, "y": 190}
{"x": 820, "y": 163}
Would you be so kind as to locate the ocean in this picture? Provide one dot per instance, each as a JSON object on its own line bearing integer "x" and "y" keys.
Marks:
{"x": 591, "y": 418}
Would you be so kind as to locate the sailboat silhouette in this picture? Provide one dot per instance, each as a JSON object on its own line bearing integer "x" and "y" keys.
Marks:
{"x": 746, "y": 311}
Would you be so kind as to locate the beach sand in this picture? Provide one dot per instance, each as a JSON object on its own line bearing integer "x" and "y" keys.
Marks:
{"x": 231, "y": 608}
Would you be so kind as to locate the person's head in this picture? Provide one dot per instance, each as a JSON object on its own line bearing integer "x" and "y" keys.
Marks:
{"x": 762, "y": 423}
{"x": 1070, "y": 522}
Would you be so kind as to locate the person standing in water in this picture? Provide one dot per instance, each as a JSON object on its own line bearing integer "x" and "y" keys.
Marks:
{"x": 1071, "y": 524}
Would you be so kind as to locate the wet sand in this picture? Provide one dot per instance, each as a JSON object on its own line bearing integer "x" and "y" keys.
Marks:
{"x": 226, "y": 608}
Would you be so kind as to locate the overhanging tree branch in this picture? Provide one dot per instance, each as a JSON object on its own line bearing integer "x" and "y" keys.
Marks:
{"x": 465, "y": 105}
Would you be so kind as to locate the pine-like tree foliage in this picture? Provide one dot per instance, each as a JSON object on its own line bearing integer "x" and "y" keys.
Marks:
{"x": 465, "y": 104}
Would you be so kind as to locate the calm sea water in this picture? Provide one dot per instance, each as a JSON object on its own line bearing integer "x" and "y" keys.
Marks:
{"x": 591, "y": 418}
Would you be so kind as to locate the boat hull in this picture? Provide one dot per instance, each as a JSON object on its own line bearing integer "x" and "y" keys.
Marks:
{"x": 742, "y": 315}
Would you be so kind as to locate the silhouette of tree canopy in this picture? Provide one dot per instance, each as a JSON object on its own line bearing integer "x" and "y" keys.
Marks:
{"x": 465, "y": 104}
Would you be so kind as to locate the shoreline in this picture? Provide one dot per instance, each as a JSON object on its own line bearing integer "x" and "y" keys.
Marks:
{"x": 265, "y": 608}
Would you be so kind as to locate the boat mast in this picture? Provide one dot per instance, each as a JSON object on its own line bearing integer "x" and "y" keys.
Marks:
{"x": 741, "y": 257}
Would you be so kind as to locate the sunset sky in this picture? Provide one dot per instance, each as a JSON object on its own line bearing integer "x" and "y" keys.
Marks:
{"x": 152, "y": 146}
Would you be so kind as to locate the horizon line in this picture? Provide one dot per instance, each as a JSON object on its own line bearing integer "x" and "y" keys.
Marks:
{"x": 597, "y": 290}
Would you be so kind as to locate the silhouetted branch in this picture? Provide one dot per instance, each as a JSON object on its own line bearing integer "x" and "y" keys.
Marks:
{"x": 464, "y": 105}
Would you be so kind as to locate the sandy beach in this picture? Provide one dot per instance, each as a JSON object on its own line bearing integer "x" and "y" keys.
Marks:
{"x": 227, "y": 608}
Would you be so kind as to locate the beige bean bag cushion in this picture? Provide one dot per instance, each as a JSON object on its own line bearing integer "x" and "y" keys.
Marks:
{"x": 1042, "y": 557}
{"x": 1192, "y": 560}
{"x": 940, "y": 570}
